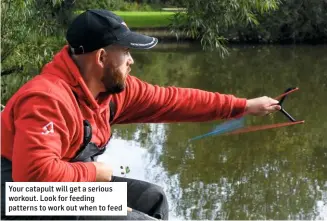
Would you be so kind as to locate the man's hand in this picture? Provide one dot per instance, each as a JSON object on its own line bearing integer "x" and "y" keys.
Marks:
{"x": 104, "y": 172}
{"x": 261, "y": 106}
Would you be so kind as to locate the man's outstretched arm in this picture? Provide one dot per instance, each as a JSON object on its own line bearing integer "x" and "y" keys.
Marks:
{"x": 143, "y": 102}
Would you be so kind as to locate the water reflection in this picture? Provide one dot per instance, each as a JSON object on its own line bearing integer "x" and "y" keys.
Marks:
{"x": 144, "y": 162}
{"x": 262, "y": 193}
{"x": 274, "y": 174}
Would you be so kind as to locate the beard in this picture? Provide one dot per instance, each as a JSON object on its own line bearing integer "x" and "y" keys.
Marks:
{"x": 115, "y": 89}
{"x": 113, "y": 81}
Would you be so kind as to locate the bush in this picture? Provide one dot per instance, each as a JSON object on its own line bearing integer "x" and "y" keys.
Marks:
{"x": 116, "y": 5}
{"x": 103, "y": 4}
{"x": 134, "y": 6}
{"x": 294, "y": 22}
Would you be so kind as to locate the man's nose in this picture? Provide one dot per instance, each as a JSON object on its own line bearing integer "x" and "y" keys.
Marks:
{"x": 130, "y": 60}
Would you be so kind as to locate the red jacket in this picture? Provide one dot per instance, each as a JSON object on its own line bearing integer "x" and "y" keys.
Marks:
{"x": 42, "y": 124}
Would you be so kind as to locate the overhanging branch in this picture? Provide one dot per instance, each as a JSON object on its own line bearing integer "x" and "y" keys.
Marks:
{"x": 11, "y": 70}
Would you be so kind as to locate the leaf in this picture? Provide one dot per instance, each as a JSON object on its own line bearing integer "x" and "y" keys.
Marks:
{"x": 209, "y": 20}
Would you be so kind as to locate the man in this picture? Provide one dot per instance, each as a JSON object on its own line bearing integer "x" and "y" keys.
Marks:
{"x": 56, "y": 125}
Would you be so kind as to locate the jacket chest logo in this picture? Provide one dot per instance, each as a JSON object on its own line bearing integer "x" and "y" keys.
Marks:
{"x": 47, "y": 129}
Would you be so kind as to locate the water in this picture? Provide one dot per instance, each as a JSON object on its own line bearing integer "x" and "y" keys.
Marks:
{"x": 273, "y": 174}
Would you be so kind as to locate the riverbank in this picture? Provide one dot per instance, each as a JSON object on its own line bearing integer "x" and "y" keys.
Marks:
{"x": 157, "y": 23}
{"x": 167, "y": 35}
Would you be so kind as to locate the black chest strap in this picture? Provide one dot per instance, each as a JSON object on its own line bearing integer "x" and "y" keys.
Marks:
{"x": 112, "y": 107}
{"x": 88, "y": 151}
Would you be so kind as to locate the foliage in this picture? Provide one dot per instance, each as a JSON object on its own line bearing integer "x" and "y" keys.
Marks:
{"x": 32, "y": 30}
{"x": 114, "y": 5}
{"x": 134, "y": 6}
{"x": 208, "y": 20}
{"x": 280, "y": 21}
{"x": 295, "y": 22}
{"x": 103, "y": 4}
{"x": 31, "y": 56}
{"x": 25, "y": 20}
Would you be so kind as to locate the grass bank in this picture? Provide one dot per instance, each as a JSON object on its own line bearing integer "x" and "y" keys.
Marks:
{"x": 144, "y": 19}
{"x": 139, "y": 19}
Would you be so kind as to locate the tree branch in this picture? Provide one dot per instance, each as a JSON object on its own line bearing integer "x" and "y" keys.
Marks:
{"x": 11, "y": 70}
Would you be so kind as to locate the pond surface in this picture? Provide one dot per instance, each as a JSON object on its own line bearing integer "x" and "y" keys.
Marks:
{"x": 272, "y": 174}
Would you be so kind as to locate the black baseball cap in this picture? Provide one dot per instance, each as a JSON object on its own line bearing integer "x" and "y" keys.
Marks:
{"x": 97, "y": 28}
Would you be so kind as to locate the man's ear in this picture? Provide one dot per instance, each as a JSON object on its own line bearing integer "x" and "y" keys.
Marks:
{"x": 100, "y": 57}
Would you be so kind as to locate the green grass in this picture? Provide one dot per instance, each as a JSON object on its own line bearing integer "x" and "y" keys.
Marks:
{"x": 144, "y": 19}
{"x": 139, "y": 19}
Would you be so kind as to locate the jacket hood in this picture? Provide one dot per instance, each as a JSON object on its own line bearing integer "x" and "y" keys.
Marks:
{"x": 65, "y": 68}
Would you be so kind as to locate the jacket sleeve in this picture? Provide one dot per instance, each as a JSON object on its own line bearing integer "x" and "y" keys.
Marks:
{"x": 41, "y": 138}
{"x": 143, "y": 102}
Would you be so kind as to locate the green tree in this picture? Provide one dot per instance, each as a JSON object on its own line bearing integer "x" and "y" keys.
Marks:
{"x": 208, "y": 20}
{"x": 24, "y": 23}
{"x": 31, "y": 31}
{"x": 296, "y": 21}
{"x": 104, "y": 4}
